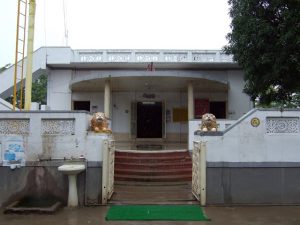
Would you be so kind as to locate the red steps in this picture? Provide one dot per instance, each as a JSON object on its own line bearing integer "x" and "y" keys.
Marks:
{"x": 159, "y": 166}
{"x": 153, "y": 172}
{"x": 156, "y": 154}
{"x": 131, "y": 192}
{"x": 149, "y": 178}
{"x": 169, "y": 166}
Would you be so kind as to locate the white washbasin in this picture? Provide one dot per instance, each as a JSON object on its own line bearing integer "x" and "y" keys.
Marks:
{"x": 71, "y": 169}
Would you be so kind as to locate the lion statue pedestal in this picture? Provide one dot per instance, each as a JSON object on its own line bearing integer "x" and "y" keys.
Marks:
{"x": 208, "y": 123}
{"x": 99, "y": 123}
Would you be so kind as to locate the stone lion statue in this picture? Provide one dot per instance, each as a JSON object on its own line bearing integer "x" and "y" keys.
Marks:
{"x": 208, "y": 122}
{"x": 99, "y": 123}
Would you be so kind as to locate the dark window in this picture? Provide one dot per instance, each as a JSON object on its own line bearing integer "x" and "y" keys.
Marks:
{"x": 218, "y": 109}
{"x": 82, "y": 105}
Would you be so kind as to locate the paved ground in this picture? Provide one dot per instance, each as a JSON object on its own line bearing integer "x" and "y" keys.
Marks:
{"x": 263, "y": 215}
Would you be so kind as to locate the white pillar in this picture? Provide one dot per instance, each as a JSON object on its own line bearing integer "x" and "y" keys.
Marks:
{"x": 107, "y": 99}
{"x": 190, "y": 101}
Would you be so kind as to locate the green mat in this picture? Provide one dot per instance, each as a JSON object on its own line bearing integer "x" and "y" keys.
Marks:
{"x": 156, "y": 212}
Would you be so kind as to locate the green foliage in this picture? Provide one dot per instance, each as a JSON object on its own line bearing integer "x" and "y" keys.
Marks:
{"x": 38, "y": 93}
{"x": 39, "y": 90}
{"x": 265, "y": 41}
{"x": 293, "y": 103}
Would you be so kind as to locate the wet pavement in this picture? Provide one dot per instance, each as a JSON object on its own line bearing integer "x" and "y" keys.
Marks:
{"x": 246, "y": 215}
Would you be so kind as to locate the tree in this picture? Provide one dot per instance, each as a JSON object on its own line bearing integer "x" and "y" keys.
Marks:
{"x": 38, "y": 92}
{"x": 265, "y": 41}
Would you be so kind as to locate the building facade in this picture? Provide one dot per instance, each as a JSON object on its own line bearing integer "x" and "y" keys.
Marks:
{"x": 144, "y": 93}
{"x": 147, "y": 93}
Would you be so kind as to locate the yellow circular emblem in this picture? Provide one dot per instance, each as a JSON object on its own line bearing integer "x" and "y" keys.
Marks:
{"x": 255, "y": 122}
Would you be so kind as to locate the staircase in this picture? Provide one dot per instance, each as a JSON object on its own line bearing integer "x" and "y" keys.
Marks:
{"x": 167, "y": 166}
{"x": 153, "y": 177}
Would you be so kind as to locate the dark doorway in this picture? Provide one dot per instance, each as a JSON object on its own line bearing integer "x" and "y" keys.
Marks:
{"x": 218, "y": 109}
{"x": 82, "y": 105}
{"x": 149, "y": 120}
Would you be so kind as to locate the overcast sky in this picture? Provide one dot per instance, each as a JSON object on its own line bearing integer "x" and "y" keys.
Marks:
{"x": 120, "y": 24}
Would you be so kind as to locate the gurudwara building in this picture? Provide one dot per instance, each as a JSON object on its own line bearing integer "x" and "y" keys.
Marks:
{"x": 154, "y": 101}
{"x": 145, "y": 93}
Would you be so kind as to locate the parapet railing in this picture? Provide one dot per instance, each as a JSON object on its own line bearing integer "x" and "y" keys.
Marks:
{"x": 139, "y": 56}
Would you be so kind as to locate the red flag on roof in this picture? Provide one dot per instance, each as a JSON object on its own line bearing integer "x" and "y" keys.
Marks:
{"x": 150, "y": 67}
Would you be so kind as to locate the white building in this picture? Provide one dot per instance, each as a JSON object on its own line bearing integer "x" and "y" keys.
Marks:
{"x": 156, "y": 95}
{"x": 145, "y": 93}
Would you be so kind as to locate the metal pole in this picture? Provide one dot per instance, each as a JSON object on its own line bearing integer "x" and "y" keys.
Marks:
{"x": 30, "y": 40}
{"x": 23, "y": 50}
{"x": 16, "y": 58}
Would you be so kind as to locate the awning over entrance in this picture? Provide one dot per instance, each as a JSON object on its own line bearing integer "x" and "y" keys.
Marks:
{"x": 150, "y": 83}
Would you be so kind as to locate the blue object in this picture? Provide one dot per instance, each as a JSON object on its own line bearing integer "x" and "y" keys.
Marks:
{"x": 9, "y": 156}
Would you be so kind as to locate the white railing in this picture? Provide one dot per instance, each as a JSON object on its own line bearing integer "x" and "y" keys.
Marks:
{"x": 199, "y": 172}
{"x": 190, "y": 56}
{"x": 108, "y": 170}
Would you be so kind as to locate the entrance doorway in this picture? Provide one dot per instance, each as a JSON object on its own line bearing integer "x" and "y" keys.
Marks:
{"x": 149, "y": 119}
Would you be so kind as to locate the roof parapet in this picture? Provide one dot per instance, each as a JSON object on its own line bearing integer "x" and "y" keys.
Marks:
{"x": 141, "y": 56}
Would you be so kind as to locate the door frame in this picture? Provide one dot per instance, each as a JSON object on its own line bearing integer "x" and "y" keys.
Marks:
{"x": 133, "y": 120}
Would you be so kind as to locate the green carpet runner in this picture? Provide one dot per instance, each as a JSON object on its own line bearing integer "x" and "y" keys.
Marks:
{"x": 156, "y": 212}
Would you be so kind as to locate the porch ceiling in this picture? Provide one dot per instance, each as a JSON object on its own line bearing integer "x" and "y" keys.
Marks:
{"x": 150, "y": 84}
